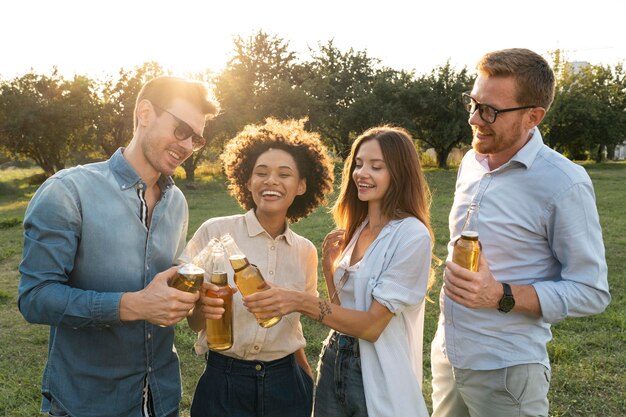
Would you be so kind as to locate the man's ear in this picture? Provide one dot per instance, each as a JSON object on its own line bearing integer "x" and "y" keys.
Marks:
{"x": 144, "y": 112}
{"x": 534, "y": 117}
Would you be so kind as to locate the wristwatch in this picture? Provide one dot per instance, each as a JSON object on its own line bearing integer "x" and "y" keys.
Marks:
{"x": 507, "y": 302}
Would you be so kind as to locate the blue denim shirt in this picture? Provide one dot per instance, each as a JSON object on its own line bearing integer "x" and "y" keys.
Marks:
{"x": 84, "y": 246}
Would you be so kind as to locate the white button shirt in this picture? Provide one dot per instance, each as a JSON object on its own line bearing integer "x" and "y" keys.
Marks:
{"x": 289, "y": 261}
{"x": 393, "y": 271}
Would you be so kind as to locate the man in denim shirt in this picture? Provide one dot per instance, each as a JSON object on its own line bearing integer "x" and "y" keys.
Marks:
{"x": 99, "y": 244}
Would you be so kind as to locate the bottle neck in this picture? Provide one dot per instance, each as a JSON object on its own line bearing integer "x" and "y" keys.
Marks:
{"x": 219, "y": 278}
{"x": 239, "y": 262}
{"x": 469, "y": 235}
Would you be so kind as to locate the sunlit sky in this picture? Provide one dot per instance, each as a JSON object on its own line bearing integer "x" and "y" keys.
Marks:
{"x": 98, "y": 37}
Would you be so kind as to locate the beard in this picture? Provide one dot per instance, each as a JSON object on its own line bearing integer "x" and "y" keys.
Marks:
{"x": 155, "y": 153}
{"x": 494, "y": 142}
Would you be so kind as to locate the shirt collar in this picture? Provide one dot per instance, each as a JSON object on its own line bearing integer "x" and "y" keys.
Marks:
{"x": 528, "y": 153}
{"x": 255, "y": 228}
{"x": 126, "y": 175}
{"x": 525, "y": 156}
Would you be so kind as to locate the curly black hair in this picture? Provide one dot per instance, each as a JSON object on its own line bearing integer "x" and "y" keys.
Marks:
{"x": 311, "y": 156}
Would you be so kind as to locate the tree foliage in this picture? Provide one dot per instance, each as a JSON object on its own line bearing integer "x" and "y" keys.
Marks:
{"x": 440, "y": 119}
{"x": 114, "y": 126}
{"x": 52, "y": 120}
{"x": 589, "y": 109}
{"x": 261, "y": 80}
{"x": 334, "y": 82}
{"x": 47, "y": 118}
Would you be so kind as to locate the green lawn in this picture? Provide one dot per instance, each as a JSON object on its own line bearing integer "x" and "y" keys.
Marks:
{"x": 588, "y": 354}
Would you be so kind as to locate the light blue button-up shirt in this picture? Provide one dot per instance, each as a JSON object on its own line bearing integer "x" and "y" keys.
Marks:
{"x": 84, "y": 246}
{"x": 394, "y": 271}
{"x": 538, "y": 225}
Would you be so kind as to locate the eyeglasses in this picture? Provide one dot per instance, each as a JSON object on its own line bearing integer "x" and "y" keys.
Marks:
{"x": 183, "y": 131}
{"x": 487, "y": 113}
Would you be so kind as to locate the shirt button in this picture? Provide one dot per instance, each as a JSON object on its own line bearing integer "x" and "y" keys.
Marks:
{"x": 256, "y": 348}
{"x": 149, "y": 369}
{"x": 149, "y": 335}
{"x": 273, "y": 247}
{"x": 271, "y": 272}
{"x": 258, "y": 367}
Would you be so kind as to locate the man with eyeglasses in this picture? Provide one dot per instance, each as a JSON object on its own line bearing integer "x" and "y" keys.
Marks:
{"x": 99, "y": 244}
{"x": 542, "y": 251}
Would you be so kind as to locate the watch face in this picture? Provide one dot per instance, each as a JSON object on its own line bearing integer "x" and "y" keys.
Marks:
{"x": 506, "y": 304}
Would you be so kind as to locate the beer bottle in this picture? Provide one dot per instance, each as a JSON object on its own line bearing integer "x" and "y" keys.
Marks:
{"x": 248, "y": 278}
{"x": 219, "y": 333}
{"x": 467, "y": 248}
{"x": 191, "y": 275}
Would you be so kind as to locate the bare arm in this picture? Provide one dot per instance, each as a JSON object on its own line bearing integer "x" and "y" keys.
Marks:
{"x": 367, "y": 325}
{"x": 330, "y": 250}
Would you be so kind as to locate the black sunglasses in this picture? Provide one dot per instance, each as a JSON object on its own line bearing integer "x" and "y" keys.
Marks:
{"x": 485, "y": 111}
{"x": 183, "y": 131}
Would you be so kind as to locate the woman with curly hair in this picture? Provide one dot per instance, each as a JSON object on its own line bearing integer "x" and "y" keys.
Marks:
{"x": 377, "y": 267}
{"x": 280, "y": 173}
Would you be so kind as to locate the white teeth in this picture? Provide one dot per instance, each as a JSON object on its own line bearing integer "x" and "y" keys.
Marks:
{"x": 174, "y": 155}
{"x": 271, "y": 193}
{"x": 366, "y": 186}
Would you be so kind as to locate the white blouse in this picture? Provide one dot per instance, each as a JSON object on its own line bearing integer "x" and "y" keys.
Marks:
{"x": 289, "y": 261}
{"x": 394, "y": 271}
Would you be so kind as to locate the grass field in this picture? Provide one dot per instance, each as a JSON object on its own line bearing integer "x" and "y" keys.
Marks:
{"x": 588, "y": 354}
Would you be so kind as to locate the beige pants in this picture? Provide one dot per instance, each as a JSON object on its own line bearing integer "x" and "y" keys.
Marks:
{"x": 517, "y": 391}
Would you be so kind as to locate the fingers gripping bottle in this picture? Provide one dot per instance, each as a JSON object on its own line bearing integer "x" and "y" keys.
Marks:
{"x": 467, "y": 248}
{"x": 219, "y": 333}
{"x": 191, "y": 275}
{"x": 248, "y": 278}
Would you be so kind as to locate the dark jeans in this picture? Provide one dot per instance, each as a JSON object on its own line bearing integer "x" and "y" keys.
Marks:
{"x": 339, "y": 391}
{"x": 237, "y": 388}
{"x": 57, "y": 411}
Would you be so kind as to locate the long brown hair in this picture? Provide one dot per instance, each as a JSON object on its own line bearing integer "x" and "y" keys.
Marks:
{"x": 408, "y": 193}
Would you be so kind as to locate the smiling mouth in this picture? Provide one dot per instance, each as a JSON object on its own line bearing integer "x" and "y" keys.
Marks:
{"x": 271, "y": 194}
{"x": 174, "y": 155}
{"x": 365, "y": 186}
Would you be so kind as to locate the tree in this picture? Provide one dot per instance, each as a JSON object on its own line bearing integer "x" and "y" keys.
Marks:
{"x": 439, "y": 117}
{"x": 47, "y": 118}
{"x": 335, "y": 80}
{"x": 117, "y": 103}
{"x": 391, "y": 100}
{"x": 261, "y": 80}
{"x": 588, "y": 114}
{"x": 194, "y": 160}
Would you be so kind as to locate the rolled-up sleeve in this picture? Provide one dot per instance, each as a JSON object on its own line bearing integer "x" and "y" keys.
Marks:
{"x": 403, "y": 281}
{"x": 576, "y": 239}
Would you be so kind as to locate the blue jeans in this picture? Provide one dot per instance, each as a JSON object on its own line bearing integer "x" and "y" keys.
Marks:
{"x": 57, "y": 411}
{"x": 236, "y": 388}
{"x": 339, "y": 391}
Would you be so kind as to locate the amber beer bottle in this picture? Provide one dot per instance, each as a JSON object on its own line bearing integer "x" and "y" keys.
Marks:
{"x": 248, "y": 278}
{"x": 467, "y": 248}
{"x": 191, "y": 275}
{"x": 219, "y": 333}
